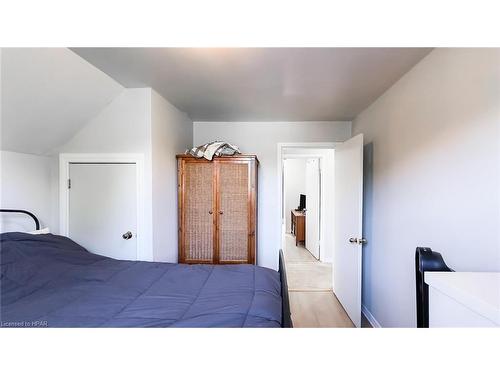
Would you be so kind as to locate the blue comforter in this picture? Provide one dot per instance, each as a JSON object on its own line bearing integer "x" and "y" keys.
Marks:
{"x": 50, "y": 281}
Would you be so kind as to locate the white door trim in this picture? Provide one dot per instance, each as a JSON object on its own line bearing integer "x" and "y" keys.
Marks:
{"x": 279, "y": 163}
{"x": 303, "y": 156}
{"x": 138, "y": 159}
{"x": 321, "y": 161}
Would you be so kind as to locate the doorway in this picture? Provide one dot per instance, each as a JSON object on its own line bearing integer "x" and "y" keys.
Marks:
{"x": 333, "y": 200}
{"x": 307, "y": 189}
{"x": 307, "y": 199}
{"x": 308, "y": 181}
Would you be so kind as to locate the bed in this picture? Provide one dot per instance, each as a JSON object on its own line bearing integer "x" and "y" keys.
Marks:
{"x": 50, "y": 281}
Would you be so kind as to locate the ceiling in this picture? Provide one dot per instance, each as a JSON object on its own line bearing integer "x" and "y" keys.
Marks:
{"x": 48, "y": 94}
{"x": 260, "y": 84}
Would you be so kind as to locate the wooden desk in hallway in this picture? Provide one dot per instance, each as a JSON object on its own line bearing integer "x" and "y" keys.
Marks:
{"x": 298, "y": 228}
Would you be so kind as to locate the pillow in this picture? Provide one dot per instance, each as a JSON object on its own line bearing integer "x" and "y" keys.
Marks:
{"x": 40, "y": 231}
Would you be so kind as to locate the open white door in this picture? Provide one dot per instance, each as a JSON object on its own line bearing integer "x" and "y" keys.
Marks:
{"x": 348, "y": 226}
{"x": 312, "y": 206}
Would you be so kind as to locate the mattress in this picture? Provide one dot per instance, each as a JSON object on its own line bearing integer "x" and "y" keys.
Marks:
{"x": 51, "y": 281}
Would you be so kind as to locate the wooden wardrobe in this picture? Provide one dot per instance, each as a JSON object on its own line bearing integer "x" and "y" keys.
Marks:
{"x": 217, "y": 209}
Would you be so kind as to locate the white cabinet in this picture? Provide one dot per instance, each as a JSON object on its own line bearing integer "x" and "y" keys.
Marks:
{"x": 464, "y": 299}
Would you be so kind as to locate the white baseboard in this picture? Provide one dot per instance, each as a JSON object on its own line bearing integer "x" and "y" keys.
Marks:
{"x": 370, "y": 317}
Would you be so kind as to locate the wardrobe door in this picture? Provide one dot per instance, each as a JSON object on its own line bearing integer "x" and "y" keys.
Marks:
{"x": 197, "y": 212}
{"x": 233, "y": 202}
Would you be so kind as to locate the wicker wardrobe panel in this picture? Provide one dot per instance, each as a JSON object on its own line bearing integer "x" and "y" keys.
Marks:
{"x": 233, "y": 203}
{"x": 217, "y": 209}
{"x": 198, "y": 212}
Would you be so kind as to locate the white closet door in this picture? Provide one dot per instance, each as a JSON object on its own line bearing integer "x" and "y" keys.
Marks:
{"x": 312, "y": 206}
{"x": 103, "y": 209}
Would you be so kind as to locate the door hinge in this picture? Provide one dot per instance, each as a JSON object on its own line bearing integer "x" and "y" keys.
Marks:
{"x": 69, "y": 183}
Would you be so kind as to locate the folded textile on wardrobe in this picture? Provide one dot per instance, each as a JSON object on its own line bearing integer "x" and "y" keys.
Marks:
{"x": 211, "y": 149}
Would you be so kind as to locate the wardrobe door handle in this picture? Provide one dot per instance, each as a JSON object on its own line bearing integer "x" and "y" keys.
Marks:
{"x": 210, "y": 212}
{"x": 220, "y": 212}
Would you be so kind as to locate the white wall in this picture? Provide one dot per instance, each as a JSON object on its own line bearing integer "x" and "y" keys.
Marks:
{"x": 172, "y": 133}
{"x": 294, "y": 171}
{"x": 432, "y": 160}
{"x": 262, "y": 138}
{"x": 124, "y": 126}
{"x": 141, "y": 121}
{"x": 49, "y": 93}
{"x": 27, "y": 182}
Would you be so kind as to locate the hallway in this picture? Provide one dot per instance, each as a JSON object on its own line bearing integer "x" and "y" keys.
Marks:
{"x": 312, "y": 302}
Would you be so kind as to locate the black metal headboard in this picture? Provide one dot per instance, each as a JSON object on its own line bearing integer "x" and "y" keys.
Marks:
{"x": 37, "y": 223}
{"x": 426, "y": 260}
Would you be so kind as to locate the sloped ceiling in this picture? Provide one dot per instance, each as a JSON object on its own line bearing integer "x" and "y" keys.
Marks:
{"x": 260, "y": 84}
{"x": 47, "y": 95}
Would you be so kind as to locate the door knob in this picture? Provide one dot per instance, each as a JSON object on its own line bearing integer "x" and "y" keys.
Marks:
{"x": 221, "y": 212}
{"x": 353, "y": 240}
{"x": 127, "y": 236}
{"x": 210, "y": 212}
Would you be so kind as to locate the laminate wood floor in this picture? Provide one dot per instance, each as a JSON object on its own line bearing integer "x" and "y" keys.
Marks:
{"x": 317, "y": 310}
{"x": 309, "y": 277}
{"x": 296, "y": 254}
{"x": 305, "y": 273}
